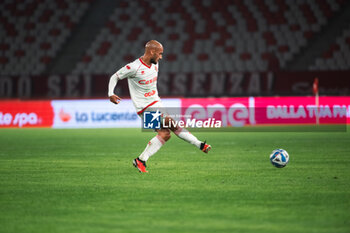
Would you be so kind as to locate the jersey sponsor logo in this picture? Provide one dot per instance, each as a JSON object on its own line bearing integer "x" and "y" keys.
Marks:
{"x": 151, "y": 93}
{"x": 145, "y": 82}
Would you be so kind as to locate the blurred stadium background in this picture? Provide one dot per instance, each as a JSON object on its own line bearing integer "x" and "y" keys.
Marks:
{"x": 252, "y": 61}
{"x": 69, "y": 49}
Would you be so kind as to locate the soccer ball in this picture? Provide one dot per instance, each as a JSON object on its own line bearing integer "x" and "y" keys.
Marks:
{"x": 279, "y": 158}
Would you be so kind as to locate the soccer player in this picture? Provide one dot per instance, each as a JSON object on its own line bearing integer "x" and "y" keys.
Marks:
{"x": 142, "y": 80}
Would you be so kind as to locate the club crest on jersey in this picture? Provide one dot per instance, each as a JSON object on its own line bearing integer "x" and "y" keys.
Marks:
{"x": 143, "y": 72}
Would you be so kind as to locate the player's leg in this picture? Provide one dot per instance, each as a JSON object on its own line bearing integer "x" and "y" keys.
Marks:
{"x": 185, "y": 135}
{"x": 152, "y": 147}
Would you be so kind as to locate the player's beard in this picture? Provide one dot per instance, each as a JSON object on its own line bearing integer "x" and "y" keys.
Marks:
{"x": 153, "y": 61}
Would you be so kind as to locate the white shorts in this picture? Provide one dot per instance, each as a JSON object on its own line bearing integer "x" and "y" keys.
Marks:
{"x": 158, "y": 106}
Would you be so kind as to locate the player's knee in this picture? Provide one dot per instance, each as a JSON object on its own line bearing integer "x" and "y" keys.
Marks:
{"x": 169, "y": 136}
{"x": 165, "y": 135}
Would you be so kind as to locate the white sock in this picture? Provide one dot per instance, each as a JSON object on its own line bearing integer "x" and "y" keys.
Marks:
{"x": 152, "y": 147}
{"x": 185, "y": 135}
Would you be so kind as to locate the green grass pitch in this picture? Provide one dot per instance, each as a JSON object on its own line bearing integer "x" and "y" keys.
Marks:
{"x": 82, "y": 180}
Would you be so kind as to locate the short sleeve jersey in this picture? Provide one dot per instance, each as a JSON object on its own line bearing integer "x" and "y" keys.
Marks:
{"x": 142, "y": 81}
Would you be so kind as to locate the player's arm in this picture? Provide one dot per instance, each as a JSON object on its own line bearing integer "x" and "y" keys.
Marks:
{"x": 111, "y": 85}
{"x": 125, "y": 72}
